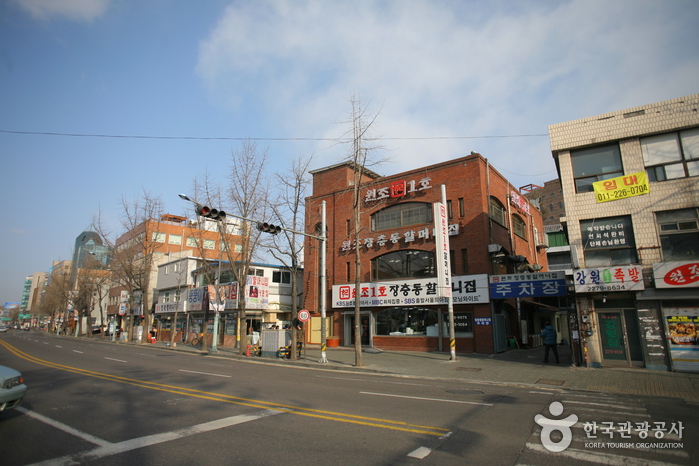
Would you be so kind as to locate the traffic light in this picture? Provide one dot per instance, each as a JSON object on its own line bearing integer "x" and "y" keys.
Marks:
{"x": 208, "y": 212}
{"x": 268, "y": 228}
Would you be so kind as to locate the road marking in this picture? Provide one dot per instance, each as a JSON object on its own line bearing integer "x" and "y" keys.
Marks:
{"x": 117, "y": 360}
{"x": 109, "y": 449}
{"x": 63, "y": 427}
{"x": 76, "y": 351}
{"x": 420, "y": 453}
{"x": 428, "y": 399}
{"x": 379, "y": 381}
{"x": 206, "y": 373}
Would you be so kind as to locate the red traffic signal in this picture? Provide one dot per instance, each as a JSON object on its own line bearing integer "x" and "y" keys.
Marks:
{"x": 268, "y": 228}
{"x": 213, "y": 214}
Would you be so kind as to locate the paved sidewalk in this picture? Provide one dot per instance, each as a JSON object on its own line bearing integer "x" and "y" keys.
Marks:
{"x": 518, "y": 366}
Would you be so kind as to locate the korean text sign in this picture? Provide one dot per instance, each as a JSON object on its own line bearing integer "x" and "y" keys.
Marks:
{"x": 528, "y": 285}
{"x": 621, "y": 187}
{"x": 620, "y": 278}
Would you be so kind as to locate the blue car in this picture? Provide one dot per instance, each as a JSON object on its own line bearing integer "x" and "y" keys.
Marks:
{"x": 12, "y": 388}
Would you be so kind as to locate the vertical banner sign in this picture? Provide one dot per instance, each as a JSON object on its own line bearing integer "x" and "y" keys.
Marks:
{"x": 441, "y": 230}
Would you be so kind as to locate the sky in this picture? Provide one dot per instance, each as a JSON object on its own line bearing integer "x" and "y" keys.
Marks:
{"x": 103, "y": 100}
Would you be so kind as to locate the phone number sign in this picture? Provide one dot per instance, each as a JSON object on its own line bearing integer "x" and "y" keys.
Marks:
{"x": 621, "y": 278}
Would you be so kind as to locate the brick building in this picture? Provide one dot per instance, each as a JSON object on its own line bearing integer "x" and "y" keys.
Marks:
{"x": 493, "y": 231}
{"x": 631, "y": 191}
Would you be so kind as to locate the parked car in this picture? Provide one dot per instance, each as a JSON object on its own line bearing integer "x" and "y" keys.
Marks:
{"x": 3, "y": 328}
{"x": 12, "y": 388}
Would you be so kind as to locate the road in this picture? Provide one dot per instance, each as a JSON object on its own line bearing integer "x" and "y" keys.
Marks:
{"x": 91, "y": 402}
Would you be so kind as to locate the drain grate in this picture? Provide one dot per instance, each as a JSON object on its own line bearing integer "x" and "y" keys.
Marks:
{"x": 551, "y": 381}
{"x": 471, "y": 369}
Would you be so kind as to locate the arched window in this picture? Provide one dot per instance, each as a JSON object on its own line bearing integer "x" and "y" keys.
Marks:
{"x": 402, "y": 215}
{"x": 497, "y": 211}
{"x": 403, "y": 264}
{"x": 519, "y": 226}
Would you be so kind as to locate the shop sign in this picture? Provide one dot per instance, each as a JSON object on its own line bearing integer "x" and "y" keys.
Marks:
{"x": 423, "y": 291}
{"x": 162, "y": 308}
{"x": 397, "y": 189}
{"x": 518, "y": 201}
{"x": 621, "y": 278}
{"x": 528, "y": 285}
{"x": 441, "y": 228}
{"x": 483, "y": 321}
{"x": 682, "y": 325}
{"x": 394, "y": 238}
{"x": 256, "y": 292}
{"x": 607, "y": 233}
{"x": 621, "y": 187}
{"x": 195, "y": 299}
{"x": 676, "y": 274}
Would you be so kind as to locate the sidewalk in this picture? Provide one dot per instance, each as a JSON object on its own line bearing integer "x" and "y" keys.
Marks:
{"x": 515, "y": 367}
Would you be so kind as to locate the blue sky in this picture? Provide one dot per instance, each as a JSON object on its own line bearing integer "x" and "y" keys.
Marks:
{"x": 453, "y": 73}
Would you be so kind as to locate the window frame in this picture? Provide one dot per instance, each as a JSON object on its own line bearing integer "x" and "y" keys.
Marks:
{"x": 519, "y": 226}
{"x": 598, "y": 154}
{"x": 400, "y": 210}
{"x": 686, "y": 155}
{"x": 497, "y": 207}
{"x": 685, "y": 226}
{"x": 430, "y": 267}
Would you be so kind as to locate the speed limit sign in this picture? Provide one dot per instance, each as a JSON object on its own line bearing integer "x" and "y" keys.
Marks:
{"x": 304, "y": 315}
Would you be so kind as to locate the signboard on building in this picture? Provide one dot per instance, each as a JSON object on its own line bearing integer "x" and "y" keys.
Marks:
{"x": 163, "y": 308}
{"x": 397, "y": 189}
{"x": 471, "y": 289}
{"x": 621, "y": 187}
{"x": 606, "y": 233}
{"x": 406, "y": 237}
{"x": 528, "y": 285}
{"x": 257, "y": 292}
{"x": 443, "y": 263}
{"x": 676, "y": 274}
{"x": 601, "y": 279}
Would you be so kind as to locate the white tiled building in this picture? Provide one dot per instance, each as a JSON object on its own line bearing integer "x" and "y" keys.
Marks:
{"x": 626, "y": 230}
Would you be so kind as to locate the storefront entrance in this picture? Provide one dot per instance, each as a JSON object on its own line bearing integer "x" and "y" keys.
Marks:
{"x": 365, "y": 330}
{"x": 619, "y": 337}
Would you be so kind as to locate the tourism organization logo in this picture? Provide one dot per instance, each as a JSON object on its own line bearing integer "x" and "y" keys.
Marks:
{"x": 608, "y": 434}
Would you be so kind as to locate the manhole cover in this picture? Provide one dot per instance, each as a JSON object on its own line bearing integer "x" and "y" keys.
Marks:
{"x": 471, "y": 369}
{"x": 551, "y": 381}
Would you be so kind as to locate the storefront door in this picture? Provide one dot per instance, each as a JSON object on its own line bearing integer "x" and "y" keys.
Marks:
{"x": 366, "y": 337}
{"x": 619, "y": 338}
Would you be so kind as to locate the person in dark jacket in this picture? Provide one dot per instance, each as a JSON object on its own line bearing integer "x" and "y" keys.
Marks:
{"x": 550, "y": 341}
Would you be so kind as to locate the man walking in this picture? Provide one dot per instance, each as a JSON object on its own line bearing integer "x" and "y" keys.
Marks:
{"x": 550, "y": 341}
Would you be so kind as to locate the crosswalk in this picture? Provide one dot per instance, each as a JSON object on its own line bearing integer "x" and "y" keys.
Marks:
{"x": 594, "y": 428}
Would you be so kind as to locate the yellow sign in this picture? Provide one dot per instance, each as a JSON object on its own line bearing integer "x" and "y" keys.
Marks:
{"x": 621, "y": 187}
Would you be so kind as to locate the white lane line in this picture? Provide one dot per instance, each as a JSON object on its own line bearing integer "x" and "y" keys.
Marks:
{"x": 428, "y": 399}
{"x": 58, "y": 346}
{"x": 110, "y": 449}
{"x": 64, "y": 428}
{"x": 117, "y": 360}
{"x": 604, "y": 405}
{"x": 76, "y": 351}
{"x": 379, "y": 381}
{"x": 206, "y": 373}
{"x": 543, "y": 393}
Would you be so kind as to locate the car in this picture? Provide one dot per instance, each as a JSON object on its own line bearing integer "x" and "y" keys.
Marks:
{"x": 12, "y": 388}
{"x": 3, "y": 328}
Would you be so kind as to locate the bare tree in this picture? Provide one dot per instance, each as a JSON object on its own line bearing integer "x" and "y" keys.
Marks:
{"x": 57, "y": 299}
{"x": 362, "y": 153}
{"x": 288, "y": 209}
{"x": 133, "y": 252}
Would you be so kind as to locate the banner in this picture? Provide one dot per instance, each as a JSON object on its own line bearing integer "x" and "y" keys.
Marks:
{"x": 441, "y": 257}
{"x": 681, "y": 327}
{"x": 621, "y": 187}
{"x": 528, "y": 285}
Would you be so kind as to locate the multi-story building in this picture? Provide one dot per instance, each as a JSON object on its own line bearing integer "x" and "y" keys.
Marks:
{"x": 630, "y": 183}
{"x": 154, "y": 242}
{"x": 495, "y": 241}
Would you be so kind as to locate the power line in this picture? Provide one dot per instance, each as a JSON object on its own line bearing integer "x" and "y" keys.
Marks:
{"x": 203, "y": 138}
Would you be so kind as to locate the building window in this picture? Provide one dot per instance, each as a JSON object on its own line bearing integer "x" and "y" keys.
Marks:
{"x": 595, "y": 164}
{"x": 178, "y": 296}
{"x": 166, "y": 297}
{"x": 608, "y": 241}
{"x": 672, "y": 155}
{"x": 464, "y": 260}
{"x": 280, "y": 276}
{"x": 403, "y": 264}
{"x": 398, "y": 321}
{"x": 402, "y": 215}
{"x": 253, "y": 272}
{"x": 209, "y": 244}
{"x": 450, "y": 212}
{"x": 175, "y": 239}
{"x": 497, "y": 211}
{"x": 192, "y": 242}
{"x": 347, "y": 270}
{"x": 462, "y": 210}
{"x": 519, "y": 227}
{"x": 679, "y": 234}
{"x": 158, "y": 237}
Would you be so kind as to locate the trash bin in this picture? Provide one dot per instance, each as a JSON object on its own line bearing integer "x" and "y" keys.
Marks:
{"x": 333, "y": 342}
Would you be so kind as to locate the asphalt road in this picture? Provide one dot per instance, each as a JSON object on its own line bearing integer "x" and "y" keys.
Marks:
{"x": 96, "y": 403}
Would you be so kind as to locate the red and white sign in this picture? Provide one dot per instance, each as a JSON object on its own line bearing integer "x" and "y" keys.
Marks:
{"x": 304, "y": 315}
{"x": 442, "y": 260}
{"x": 676, "y": 274}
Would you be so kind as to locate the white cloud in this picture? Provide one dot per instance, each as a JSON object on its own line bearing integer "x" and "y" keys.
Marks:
{"x": 451, "y": 69}
{"x": 75, "y": 10}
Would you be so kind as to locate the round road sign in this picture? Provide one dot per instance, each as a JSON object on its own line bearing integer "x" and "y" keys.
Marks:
{"x": 304, "y": 315}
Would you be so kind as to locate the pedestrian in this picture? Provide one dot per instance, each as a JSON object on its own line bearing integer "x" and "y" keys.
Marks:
{"x": 550, "y": 341}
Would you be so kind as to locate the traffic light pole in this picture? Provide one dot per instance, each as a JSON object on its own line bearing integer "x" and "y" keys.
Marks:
{"x": 323, "y": 274}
